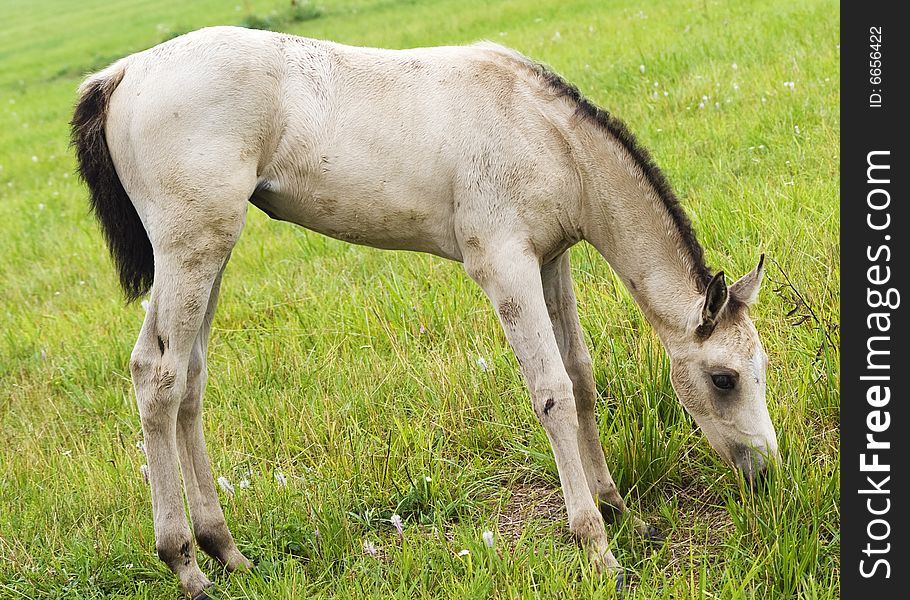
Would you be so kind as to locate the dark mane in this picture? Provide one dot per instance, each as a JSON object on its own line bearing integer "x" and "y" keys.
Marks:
{"x": 602, "y": 118}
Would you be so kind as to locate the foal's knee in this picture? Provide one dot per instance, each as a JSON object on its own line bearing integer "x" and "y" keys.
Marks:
{"x": 554, "y": 405}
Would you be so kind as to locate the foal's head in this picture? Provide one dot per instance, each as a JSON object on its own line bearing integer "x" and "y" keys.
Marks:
{"x": 718, "y": 371}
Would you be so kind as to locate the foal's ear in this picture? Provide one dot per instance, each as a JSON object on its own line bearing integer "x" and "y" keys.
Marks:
{"x": 716, "y": 297}
{"x": 746, "y": 289}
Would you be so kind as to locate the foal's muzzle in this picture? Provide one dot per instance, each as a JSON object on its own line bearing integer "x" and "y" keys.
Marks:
{"x": 753, "y": 463}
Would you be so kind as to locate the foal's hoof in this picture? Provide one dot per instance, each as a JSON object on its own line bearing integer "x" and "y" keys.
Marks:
{"x": 653, "y": 534}
{"x": 206, "y": 594}
{"x": 238, "y": 563}
{"x": 621, "y": 584}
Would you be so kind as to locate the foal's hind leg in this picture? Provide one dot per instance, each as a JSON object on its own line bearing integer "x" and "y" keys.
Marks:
{"x": 511, "y": 279}
{"x": 563, "y": 309}
{"x": 190, "y": 251}
{"x": 209, "y": 526}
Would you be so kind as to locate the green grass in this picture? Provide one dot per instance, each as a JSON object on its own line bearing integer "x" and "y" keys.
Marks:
{"x": 353, "y": 371}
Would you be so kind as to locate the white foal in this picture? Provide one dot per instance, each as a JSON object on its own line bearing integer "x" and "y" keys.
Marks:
{"x": 473, "y": 153}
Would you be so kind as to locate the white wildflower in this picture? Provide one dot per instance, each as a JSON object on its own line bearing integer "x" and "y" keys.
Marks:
{"x": 370, "y": 548}
{"x": 34, "y": 159}
{"x": 464, "y": 552}
{"x": 733, "y": 66}
{"x": 488, "y": 538}
{"x": 145, "y": 305}
{"x": 790, "y": 85}
{"x": 796, "y": 129}
{"x": 641, "y": 68}
{"x": 244, "y": 484}
{"x": 40, "y": 206}
{"x": 399, "y": 527}
{"x": 482, "y": 363}
{"x": 666, "y": 93}
{"x": 428, "y": 479}
{"x": 226, "y": 485}
{"x": 701, "y": 105}
{"x": 556, "y": 37}
{"x": 281, "y": 479}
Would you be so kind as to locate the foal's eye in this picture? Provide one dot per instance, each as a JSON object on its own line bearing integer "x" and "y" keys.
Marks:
{"x": 723, "y": 381}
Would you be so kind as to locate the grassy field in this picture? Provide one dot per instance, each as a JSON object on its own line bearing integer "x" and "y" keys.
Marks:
{"x": 355, "y": 373}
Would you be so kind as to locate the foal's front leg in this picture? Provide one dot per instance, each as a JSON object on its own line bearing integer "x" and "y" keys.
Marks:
{"x": 511, "y": 279}
{"x": 563, "y": 308}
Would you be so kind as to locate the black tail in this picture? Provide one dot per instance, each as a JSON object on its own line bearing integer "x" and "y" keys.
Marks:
{"x": 126, "y": 237}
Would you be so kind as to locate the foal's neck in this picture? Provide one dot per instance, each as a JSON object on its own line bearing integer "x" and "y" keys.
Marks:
{"x": 633, "y": 227}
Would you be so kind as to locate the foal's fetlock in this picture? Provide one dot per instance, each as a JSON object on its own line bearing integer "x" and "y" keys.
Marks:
{"x": 218, "y": 543}
{"x": 176, "y": 555}
{"x": 612, "y": 514}
{"x": 588, "y": 528}
{"x": 587, "y": 525}
{"x": 181, "y": 559}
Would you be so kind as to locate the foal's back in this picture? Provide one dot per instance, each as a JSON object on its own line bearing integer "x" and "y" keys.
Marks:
{"x": 411, "y": 149}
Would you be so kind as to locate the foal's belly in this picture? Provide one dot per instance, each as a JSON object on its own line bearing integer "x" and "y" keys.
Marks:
{"x": 384, "y": 214}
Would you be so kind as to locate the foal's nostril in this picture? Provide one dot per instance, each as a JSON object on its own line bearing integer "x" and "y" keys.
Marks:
{"x": 755, "y": 477}
{"x": 752, "y": 463}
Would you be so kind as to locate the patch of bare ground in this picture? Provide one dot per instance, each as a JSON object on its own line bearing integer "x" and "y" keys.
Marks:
{"x": 704, "y": 525}
{"x": 530, "y": 502}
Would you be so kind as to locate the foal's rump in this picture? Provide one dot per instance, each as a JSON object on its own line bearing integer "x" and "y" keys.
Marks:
{"x": 169, "y": 141}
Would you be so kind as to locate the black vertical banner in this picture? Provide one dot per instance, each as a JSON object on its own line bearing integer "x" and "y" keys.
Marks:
{"x": 875, "y": 372}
